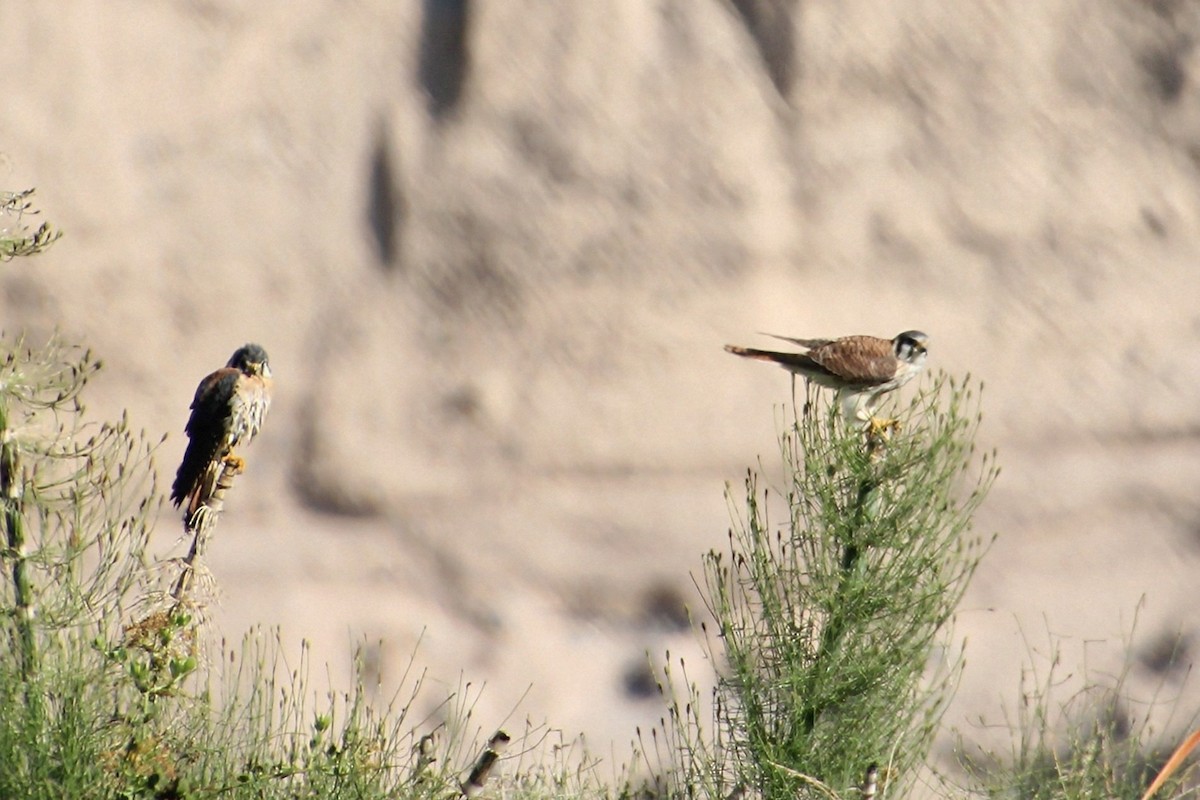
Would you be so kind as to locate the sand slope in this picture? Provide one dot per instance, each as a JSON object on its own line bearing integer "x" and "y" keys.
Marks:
{"x": 494, "y": 249}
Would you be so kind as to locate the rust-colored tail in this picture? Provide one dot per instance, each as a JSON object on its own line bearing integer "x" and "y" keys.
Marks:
{"x": 793, "y": 361}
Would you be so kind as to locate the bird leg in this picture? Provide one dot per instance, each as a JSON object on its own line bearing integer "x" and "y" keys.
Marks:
{"x": 234, "y": 462}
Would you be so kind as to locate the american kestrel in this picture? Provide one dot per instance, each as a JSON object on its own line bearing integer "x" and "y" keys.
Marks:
{"x": 860, "y": 368}
{"x": 228, "y": 410}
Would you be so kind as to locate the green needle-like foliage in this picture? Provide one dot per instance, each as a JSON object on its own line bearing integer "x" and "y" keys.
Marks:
{"x": 79, "y": 496}
{"x": 1100, "y": 736}
{"x": 830, "y": 640}
{"x": 78, "y": 502}
{"x": 830, "y": 624}
{"x": 16, "y": 238}
{"x": 110, "y": 688}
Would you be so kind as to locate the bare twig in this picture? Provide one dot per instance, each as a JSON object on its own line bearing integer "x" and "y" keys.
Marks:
{"x": 483, "y": 765}
{"x": 200, "y": 524}
{"x": 1173, "y": 763}
{"x": 11, "y": 495}
{"x": 424, "y": 748}
{"x": 870, "y": 784}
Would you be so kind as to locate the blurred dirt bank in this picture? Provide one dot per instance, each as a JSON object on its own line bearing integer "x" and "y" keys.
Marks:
{"x": 494, "y": 249}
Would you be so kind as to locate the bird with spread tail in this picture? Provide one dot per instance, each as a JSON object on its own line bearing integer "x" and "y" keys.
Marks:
{"x": 860, "y": 368}
{"x": 227, "y": 411}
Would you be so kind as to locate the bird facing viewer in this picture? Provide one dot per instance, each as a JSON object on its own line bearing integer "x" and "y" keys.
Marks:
{"x": 228, "y": 410}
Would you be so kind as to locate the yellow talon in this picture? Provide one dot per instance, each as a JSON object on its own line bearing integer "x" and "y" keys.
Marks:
{"x": 235, "y": 462}
{"x": 880, "y": 426}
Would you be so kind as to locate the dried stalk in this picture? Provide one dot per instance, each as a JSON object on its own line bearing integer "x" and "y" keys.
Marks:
{"x": 201, "y": 523}
{"x": 483, "y": 765}
{"x": 11, "y": 497}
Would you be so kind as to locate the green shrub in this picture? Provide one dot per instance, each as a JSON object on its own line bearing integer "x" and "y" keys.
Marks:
{"x": 831, "y": 628}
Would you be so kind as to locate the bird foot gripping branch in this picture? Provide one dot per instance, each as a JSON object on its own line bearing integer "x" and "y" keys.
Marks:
{"x": 212, "y": 501}
{"x": 879, "y": 433}
{"x": 883, "y": 426}
{"x": 227, "y": 410}
{"x": 234, "y": 463}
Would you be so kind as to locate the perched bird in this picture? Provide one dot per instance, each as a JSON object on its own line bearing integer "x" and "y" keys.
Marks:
{"x": 860, "y": 368}
{"x": 228, "y": 410}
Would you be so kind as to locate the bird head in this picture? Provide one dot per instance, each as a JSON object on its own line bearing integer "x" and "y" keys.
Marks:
{"x": 910, "y": 347}
{"x": 252, "y": 360}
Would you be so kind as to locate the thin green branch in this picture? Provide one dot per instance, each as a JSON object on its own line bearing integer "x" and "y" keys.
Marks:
{"x": 16, "y": 239}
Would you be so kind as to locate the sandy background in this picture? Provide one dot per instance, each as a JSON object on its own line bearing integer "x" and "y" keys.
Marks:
{"x": 494, "y": 249}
